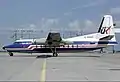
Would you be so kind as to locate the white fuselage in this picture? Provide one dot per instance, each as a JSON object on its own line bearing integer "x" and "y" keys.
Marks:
{"x": 79, "y": 43}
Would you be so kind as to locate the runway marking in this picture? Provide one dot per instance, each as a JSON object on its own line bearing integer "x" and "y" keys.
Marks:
{"x": 43, "y": 73}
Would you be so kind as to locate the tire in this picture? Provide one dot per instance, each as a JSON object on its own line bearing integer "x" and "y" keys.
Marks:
{"x": 55, "y": 54}
{"x": 10, "y": 53}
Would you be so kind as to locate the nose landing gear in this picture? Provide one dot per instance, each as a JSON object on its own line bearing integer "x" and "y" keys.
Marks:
{"x": 10, "y": 53}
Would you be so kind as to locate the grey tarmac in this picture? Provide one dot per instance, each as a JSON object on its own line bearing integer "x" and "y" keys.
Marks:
{"x": 88, "y": 66}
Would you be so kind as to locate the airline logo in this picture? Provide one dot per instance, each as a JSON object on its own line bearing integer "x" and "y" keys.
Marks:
{"x": 105, "y": 30}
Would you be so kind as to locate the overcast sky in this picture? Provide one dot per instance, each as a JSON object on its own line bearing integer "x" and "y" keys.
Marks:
{"x": 60, "y": 15}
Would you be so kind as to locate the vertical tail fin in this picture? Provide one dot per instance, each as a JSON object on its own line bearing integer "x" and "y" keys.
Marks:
{"x": 106, "y": 26}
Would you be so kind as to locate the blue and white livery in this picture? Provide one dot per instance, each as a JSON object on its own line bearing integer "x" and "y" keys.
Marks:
{"x": 103, "y": 38}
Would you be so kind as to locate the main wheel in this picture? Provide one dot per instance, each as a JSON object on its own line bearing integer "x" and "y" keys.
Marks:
{"x": 10, "y": 53}
{"x": 55, "y": 54}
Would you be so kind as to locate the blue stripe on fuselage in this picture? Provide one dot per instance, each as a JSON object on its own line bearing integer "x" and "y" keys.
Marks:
{"x": 18, "y": 46}
{"x": 90, "y": 42}
{"x": 15, "y": 45}
{"x": 59, "y": 50}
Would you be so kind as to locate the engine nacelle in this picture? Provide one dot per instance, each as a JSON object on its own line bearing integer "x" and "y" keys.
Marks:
{"x": 67, "y": 41}
{"x": 40, "y": 41}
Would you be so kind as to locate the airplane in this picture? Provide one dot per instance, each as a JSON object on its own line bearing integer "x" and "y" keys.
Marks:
{"x": 53, "y": 43}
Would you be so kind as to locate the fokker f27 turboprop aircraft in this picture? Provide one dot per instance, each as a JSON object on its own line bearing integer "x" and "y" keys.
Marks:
{"x": 53, "y": 43}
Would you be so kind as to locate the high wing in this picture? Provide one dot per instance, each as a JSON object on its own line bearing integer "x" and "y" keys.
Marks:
{"x": 53, "y": 40}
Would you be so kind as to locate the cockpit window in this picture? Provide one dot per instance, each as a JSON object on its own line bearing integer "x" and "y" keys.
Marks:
{"x": 17, "y": 42}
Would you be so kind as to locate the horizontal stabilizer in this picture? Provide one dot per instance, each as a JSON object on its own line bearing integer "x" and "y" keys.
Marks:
{"x": 109, "y": 37}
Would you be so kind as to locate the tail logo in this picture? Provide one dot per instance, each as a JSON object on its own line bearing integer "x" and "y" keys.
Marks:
{"x": 105, "y": 30}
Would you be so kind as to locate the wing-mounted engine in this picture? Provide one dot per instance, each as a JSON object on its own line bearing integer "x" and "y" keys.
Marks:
{"x": 40, "y": 41}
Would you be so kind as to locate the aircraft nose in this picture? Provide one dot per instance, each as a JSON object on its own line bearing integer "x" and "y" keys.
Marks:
{"x": 4, "y": 48}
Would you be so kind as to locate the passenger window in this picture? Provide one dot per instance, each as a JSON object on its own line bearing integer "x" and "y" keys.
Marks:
{"x": 92, "y": 42}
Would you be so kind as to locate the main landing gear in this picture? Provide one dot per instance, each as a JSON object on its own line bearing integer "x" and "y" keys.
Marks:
{"x": 54, "y": 51}
{"x": 101, "y": 50}
{"x": 10, "y": 53}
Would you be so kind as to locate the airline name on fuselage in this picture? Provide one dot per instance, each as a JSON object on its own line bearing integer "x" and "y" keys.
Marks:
{"x": 88, "y": 37}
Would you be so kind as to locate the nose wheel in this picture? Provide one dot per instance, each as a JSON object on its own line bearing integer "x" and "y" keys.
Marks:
{"x": 10, "y": 53}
